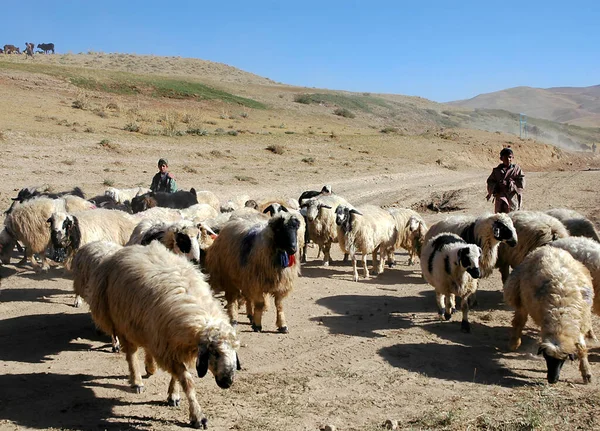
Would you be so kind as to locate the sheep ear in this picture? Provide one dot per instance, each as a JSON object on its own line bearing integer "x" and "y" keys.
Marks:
{"x": 324, "y": 206}
{"x": 183, "y": 242}
{"x": 49, "y": 220}
{"x": 202, "y": 361}
{"x": 237, "y": 360}
{"x": 353, "y": 211}
{"x": 284, "y": 209}
{"x": 269, "y": 210}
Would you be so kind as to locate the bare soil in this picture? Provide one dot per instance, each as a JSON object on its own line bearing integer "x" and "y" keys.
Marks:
{"x": 358, "y": 353}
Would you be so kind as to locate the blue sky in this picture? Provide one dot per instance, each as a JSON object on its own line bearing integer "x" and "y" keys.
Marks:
{"x": 440, "y": 50}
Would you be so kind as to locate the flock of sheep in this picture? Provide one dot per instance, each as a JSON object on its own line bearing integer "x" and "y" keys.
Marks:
{"x": 148, "y": 265}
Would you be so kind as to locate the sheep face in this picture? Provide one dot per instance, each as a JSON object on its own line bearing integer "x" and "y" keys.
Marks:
{"x": 274, "y": 208}
{"x": 111, "y": 192}
{"x": 285, "y": 232}
{"x": 469, "y": 259}
{"x": 312, "y": 209}
{"x": 555, "y": 359}
{"x": 141, "y": 203}
{"x": 504, "y": 231}
{"x": 222, "y": 361}
{"x": 343, "y": 217}
{"x": 60, "y": 226}
{"x": 187, "y": 242}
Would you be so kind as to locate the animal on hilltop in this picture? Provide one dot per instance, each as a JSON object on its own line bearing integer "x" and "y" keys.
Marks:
{"x": 46, "y": 47}
{"x": 11, "y": 49}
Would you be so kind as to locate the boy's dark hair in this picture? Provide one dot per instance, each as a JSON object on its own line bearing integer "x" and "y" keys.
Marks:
{"x": 506, "y": 152}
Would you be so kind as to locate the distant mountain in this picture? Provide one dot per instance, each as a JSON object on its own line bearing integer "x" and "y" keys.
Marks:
{"x": 573, "y": 105}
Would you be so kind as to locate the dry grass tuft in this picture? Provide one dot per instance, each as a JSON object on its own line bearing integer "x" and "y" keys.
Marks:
{"x": 441, "y": 202}
{"x": 276, "y": 149}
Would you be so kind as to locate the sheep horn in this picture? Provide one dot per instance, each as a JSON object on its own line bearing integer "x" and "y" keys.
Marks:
{"x": 237, "y": 359}
{"x": 202, "y": 361}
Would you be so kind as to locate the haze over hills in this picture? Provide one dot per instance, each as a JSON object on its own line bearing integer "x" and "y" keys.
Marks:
{"x": 571, "y": 105}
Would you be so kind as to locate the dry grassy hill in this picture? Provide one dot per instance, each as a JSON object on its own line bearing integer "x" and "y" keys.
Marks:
{"x": 572, "y": 105}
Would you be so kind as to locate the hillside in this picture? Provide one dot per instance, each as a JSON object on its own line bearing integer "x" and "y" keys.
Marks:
{"x": 572, "y": 105}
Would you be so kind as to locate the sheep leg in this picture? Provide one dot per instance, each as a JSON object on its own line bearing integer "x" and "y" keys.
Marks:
{"x": 326, "y": 254}
{"x": 391, "y": 258}
{"x": 149, "y": 364}
{"x": 116, "y": 346}
{"x": 259, "y": 307}
{"x": 465, "y": 326}
{"x": 78, "y": 301}
{"x": 354, "y": 269}
{"x": 442, "y": 312}
{"x": 173, "y": 399}
{"x": 584, "y": 365}
{"x": 197, "y": 419}
{"x": 380, "y": 262}
{"x": 135, "y": 377}
{"x": 504, "y": 272}
{"x": 250, "y": 310}
{"x": 363, "y": 257}
{"x": 518, "y": 323}
{"x": 232, "y": 307}
{"x": 281, "y": 323}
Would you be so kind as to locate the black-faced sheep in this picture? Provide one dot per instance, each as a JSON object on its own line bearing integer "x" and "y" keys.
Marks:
{"x": 71, "y": 231}
{"x": 451, "y": 266}
{"x": 577, "y": 224}
{"x": 586, "y": 251}
{"x": 154, "y": 299}
{"x": 556, "y": 291}
{"x": 27, "y": 223}
{"x": 250, "y": 260}
{"x": 411, "y": 233}
{"x": 534, "y": 229}
{"x": 368, "y": 230}
{"x": 274, "y": 208}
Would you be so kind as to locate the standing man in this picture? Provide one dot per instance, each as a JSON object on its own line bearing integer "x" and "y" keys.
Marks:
{"x": 163, "y": 181}
{"x": 506, "y": 184}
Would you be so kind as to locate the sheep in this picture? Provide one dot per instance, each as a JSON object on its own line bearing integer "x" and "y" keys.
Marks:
{"x": 209, "y": 198}
{"x": 487, "y": 232}
{"x": 29, "y": 193}
{"x": 184, "y": 237}
{"x": 84, "y": 263}
{"x": 534, "y": 229}
{"x": 577, "y": 224}
{"x": 199, "y": 212}
{"x": 154, "y": 299}
{"x": 122, "y": 196}
{"x": 275, "y": 208}
{"x": 159, "y": 213}
{"x": 586, "y": 251}
{"x": 451, "y": 266}
{"x": 71, "y": 231}
{"x": 320, "y": 216}
{"x": 180, "y": 199}
{"x": 309, "y": 194}
{"x": 250, "y": 260}
{"x": 556, "y": 291}
{"x": 234, "y": 203}
{"x": 411, "y": 233}
{"x": 366, "y": 230}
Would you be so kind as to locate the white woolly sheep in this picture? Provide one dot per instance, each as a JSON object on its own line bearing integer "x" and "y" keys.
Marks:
{"x": 208, "y": 198}
{"x": 320, "y": 222}
{"x": 84, "y": 264}
{"x": 367, "y": 230}
{"x": 199, "y": 212}
{"x": 586, "y": 251}
{"x": 234, "y": 203}
{"x": 71, "y": 231}
{"x": 451, "y": 266}
{"x": 556, "y": 291}
{"x": 251, "y": 260}
{"x": 411, "y": 233}
{"x": 577, "y": 224}
{"x": 122, "y": 196}
{"x": 159, "y": 213}
{"x": 534, "y": 229}
{"x": 154, "y": 299}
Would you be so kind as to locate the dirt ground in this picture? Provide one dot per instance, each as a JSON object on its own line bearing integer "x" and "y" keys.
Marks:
{"x": 358, "y": 353}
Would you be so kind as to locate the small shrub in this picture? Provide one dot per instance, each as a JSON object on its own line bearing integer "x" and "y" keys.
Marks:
{"x": 198, "y": 132}
{"x": 343, "y": 112}
{"x": 112, "y": 106}
{"x": 251, "y": 180}
{"x": 88, "y": 130}
{"x": 219, "y": 131}
{"x": 232, "y": 132}
{"x": 100, "y": 113}
{"x": 132, "y": 127}
{"x": 303, "y": 98}
{"x": 187, "y": 118}
{"x": 289, "y": 132}
{"x": 217, "y": 154}
{"x": 108, "y": 182}
{"x": 214, "y": 123}
{"x": 309, "y": 160}
{"x": 68, "y": 162}
{"x": 389, "y": 130}
{"x": 189, "y": 169}
{"x": 105, "y": 143}
{"x": 244, "y": 114}
{"x": 276, "y": 149}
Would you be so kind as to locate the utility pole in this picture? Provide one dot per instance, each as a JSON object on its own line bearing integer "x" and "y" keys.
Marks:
{"x": 522, "y": 126}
